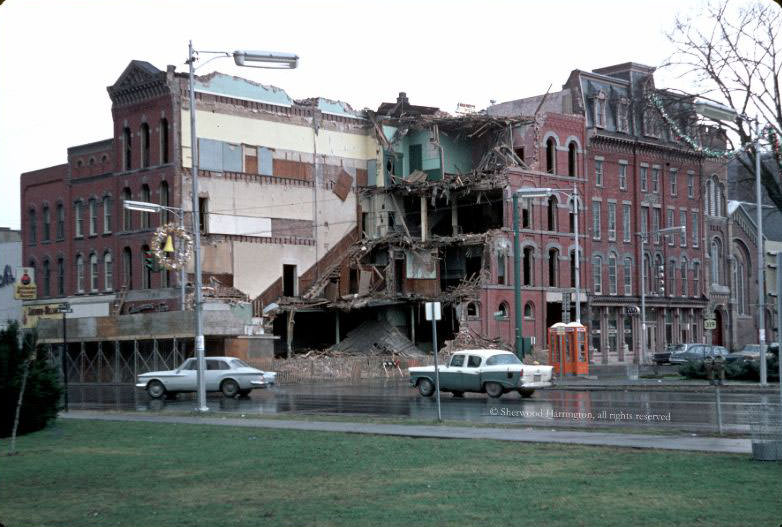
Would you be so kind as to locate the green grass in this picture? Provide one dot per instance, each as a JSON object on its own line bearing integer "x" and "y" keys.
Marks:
{"x": 90, "y": 473}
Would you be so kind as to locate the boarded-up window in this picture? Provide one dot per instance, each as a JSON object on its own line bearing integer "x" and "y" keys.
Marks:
{"x": 232, "y": 157}
{"x": 372, "y": 172}
{"x": 210, "y": 155}
{"x": 250, "y": 160}
{"x": 342, "y": 187}
{"x": 265, "y": 162}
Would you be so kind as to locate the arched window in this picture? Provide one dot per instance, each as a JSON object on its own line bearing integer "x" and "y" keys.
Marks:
{"x": 108, "y": 272}
{"x": 659, "y": 272}
{"x": 60, "y": 221}
{"x": 716, "y": 261}
{"x": 501, "y": 267}
{"x": 106, "y": 214}
{"x": 127, "y": 144}
{"x": 552, "y": 213}
{"x": 709, "y": 197}
{"x": 144, "y": 145}
{"x": 529, "y": 311}
{"x": 553, "y": 267}
{"x": 696, "y": 279}
{"x": 671, "y": 275}
{"x": 720, "y": 200}
{"x": 526, "y": 214}
{"x": 472, "y": 310}
{"x": 79, "y": 274}
{"x": 741, "y": 274}
{"x": 60, "y": 276}
{"x": 93, "y": 272}
{"x": 628, "y": 275}
{"x": 164, "y": 214}
{"x": 145, "y": 196}
{"x": 127, "y": 215}
{"x": 127, "y": 268}
{"x": 684, "y": 287}
{"x": 597, "y": 275}
{"x": 32, "y": 226}
{"x": 47, "y": 220}
{"x": 163, "y": 141}
{"x": 47, "y": 277}
{"x": 527, "y": 264}
{"x": 551, "y": 156}
{"x": 146, "y": 268}
{"x": 612, "y": 287}
{"x": 503, "y": 311}
{"x": 572, "y": 165}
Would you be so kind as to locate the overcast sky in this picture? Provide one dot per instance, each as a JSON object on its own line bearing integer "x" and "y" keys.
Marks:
{"x": 58, "y": 56}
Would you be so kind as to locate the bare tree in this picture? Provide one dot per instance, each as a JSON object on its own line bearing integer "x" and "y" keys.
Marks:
{"x": 733, "y": 55}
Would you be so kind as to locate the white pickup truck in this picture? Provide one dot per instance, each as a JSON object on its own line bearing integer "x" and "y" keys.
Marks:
{"x": 491, "y": 371}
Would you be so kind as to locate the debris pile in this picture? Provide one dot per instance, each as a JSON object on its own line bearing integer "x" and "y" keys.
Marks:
{"x": 376, "y": 338}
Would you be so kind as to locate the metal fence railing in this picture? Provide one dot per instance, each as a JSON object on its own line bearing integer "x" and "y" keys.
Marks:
{"x": 766, "y": 429}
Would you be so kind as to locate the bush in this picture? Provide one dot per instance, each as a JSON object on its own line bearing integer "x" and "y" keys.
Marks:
{"x": 739, "y": 370}
{"x": 42, "y": 393}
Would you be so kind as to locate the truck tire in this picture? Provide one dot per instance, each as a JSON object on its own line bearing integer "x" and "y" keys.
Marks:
{"x": 425, "y": 387}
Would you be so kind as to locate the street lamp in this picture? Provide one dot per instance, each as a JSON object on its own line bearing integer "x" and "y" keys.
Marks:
{"x": 253, "y": 59}
{"x": 145, "y": 206}
{"x": 644, "y": 236}
{"x": 719, "y": 112}
{"x": 65, "y": 308}
{"x": 541, "y": 192}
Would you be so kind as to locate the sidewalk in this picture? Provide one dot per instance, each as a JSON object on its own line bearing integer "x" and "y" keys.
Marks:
{"x": 664, "y": 442}
{"x": 664, "y": 384}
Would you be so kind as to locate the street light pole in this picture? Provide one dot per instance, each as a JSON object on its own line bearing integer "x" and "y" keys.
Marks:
{"x": 517, "y": 277}
{"x": 578, "y": 254}
{"x": 761, "y": 262}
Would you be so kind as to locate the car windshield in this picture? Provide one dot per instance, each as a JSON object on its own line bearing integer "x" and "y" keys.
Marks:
{"x": 238, "y": 363}
{"x": 678, "y": 348}
{"x": 504, "y": 358}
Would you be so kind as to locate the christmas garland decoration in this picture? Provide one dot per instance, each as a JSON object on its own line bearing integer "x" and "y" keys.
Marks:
{"x": 177, "y": 259}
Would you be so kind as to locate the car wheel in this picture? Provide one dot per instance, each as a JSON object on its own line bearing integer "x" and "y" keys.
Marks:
{"x": 425, "y": 387}
{"x": 458, "y": 394}
{"x": 155, "y": 389}
{"x": 494, "y": 389}
{"x": 244, "y": 393}
{"x": 526, "y": 392}
{"x": 229, "y": 387}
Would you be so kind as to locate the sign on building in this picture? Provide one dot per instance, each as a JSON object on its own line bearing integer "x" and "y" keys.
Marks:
{"x": 710, "y": 324}
{"x": 32, "y": 314}
{"x": 25, "y": 288}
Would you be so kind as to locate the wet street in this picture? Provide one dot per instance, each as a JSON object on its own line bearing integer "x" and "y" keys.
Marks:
{"x": 672, "y": 410}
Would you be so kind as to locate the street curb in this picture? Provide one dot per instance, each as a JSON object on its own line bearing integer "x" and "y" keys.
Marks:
{"x": 667, "y": 388}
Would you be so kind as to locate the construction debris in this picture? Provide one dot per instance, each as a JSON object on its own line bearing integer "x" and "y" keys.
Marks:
{"x": 376, "y": 338}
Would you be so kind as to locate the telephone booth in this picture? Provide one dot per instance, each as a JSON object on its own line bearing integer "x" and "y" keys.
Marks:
{"x": 567, "y": 345}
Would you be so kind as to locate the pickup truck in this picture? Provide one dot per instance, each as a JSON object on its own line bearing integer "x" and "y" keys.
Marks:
{"x": 493, "y": 372}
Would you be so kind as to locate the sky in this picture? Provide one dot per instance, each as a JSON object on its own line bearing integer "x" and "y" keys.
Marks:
{"x": 58, "y": 56}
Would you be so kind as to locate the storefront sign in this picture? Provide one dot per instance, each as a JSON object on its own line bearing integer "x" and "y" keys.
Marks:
{"x": 25, "y": 284}
{"x": 32, "y": 314}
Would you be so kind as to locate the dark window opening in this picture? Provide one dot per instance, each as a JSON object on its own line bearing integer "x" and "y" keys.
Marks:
{"x": 127, "y": 143}
{"x": 416, "y": 158}
{"x": 399, "y": 276}
{"x": 472, "y": 310}
{"x": 127, "y": 268}
{"x": 353, "y": 281}
{"x": 365, "y": 225}
{"x": 60, "y": 221}
{"x": 411, "y": 205}
{"x": 551, "y": 156}
{"x": 527, "y": 265}
{"x": 553, "y": 268}
{"x": 288, "y": 280}
{"x": 164, "y": 199}
{"x": 571, "y": 160}
{"x": 164, "y": 141}
{"x": 519, "y": 152}
{"x": 46, "y": 279}
{"x": 145, "y": 197}
{"x": 552, "y": 213}
{"x": 501, "y": 269}
{"x": 127, "y": 215}
{"x": 478, "y": 214}
{"x": 203, "y": 212}
{"x": 144, "y": 145}
{"x": 526, "y": 214}
{"x": 572, "y": 269}
{"x": 60, "y": 276}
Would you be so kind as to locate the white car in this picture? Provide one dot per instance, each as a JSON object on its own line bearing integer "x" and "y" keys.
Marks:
{"x": 229, "y": 375}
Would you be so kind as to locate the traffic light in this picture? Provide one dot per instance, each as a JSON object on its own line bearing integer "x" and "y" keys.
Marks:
{"x": 661, "y": 278}
{"x": 150, "y": 262}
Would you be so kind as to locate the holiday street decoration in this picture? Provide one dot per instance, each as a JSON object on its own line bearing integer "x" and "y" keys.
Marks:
{"x": 163, "y": 247}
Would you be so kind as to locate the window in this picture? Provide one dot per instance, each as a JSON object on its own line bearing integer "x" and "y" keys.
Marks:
{"x": 551, "y": 155}
{"x": 145, "y": 196}
{"x": 597, "y": 275}
{"x": 457, "y": 361}
{"x": 644, "y": 177}
{"x": 60, "y": 276}
{"x": 683, "y": 223}
{"x": 529, "y": 311}
{"x": 144, "y": 145}
{"x": 671, "y": 275}
{"x": 106, "y": 214}
{"x": 108, "y": 274}
{"x": 47, "y": 290}
{"x": 127, "y": 214}
{"x": 673, "y": 175}
{"x": 623, "y": 176}
{"x": 501, "y": 268}
{"x": 740, "y": 283}
{"x": 612, "y": 273}
{"x": 622, "y": 111}
{"x": 527, "y": 265}
{"x": 79, "y": 274}
{"x": 163, "y": 141}
{"x": 127, "y": 143}
{"x": 572, "y": 160}
{"x": 93, "y": 272}
{"x": 669, "y": 223}
{"x": 611, "y": 220}
{"x": 656, "y": 216}
{"x": 164, "y": 214}
{"x": 472, "y": 309}
{"x": 526, "y": 214}
{"x": 60, "y": 221}
{"x": 644, "y": 220}
{"x": 596, "y": 220}
{"x": 696, "y": 278}
{"x": 655, "y": 179}
{"x": 626, "y": 222}
{"x": 47, "y": 220}
{"x": 684, "y": 276}
{"x": 648, "y": 286}
{"x": 708, "y": 199}
{"x": 473, "y": 361}
{"x": 599, "y": 172}
{"x": 553, "y": 268}
{"x": 503, "y": 311}
{"x": 127, "y": 268}
{"x": 694, "y": 229}
{"x": 716, "y": 256}
{"x": 78, "y": 220}
{"x": 93, "y": 210}
{"x": 552, "y": 213}
{"x": 203, "y": 214}
{"x": 416, "y": 158}
{"x": 628, "y": 276}
{"x": 600, "y": 110}
{"x": 32, "y": 227}
{"x": 690, "y": 185}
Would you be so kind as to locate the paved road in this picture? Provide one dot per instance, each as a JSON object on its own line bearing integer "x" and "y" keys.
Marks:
{"x": 701, "y": 444}
{"x": 669, "y": 410}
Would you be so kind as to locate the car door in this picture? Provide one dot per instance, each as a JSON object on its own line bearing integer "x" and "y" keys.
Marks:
{"x": 214, "y": 371}
{"x": 471, "y": 378}
{"x": 185, "y": 377}
{"x": 451, "y": 375}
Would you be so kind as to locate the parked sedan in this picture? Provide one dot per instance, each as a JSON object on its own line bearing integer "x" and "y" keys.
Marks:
{"x": 681, "y": 353}
{"x": 229, "y": 375}
{"x": 751, "y": 352}
{"x": 491, "y": 371}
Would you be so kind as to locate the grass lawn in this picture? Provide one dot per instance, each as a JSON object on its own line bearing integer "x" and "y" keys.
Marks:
{"x": 82, "y": 473}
